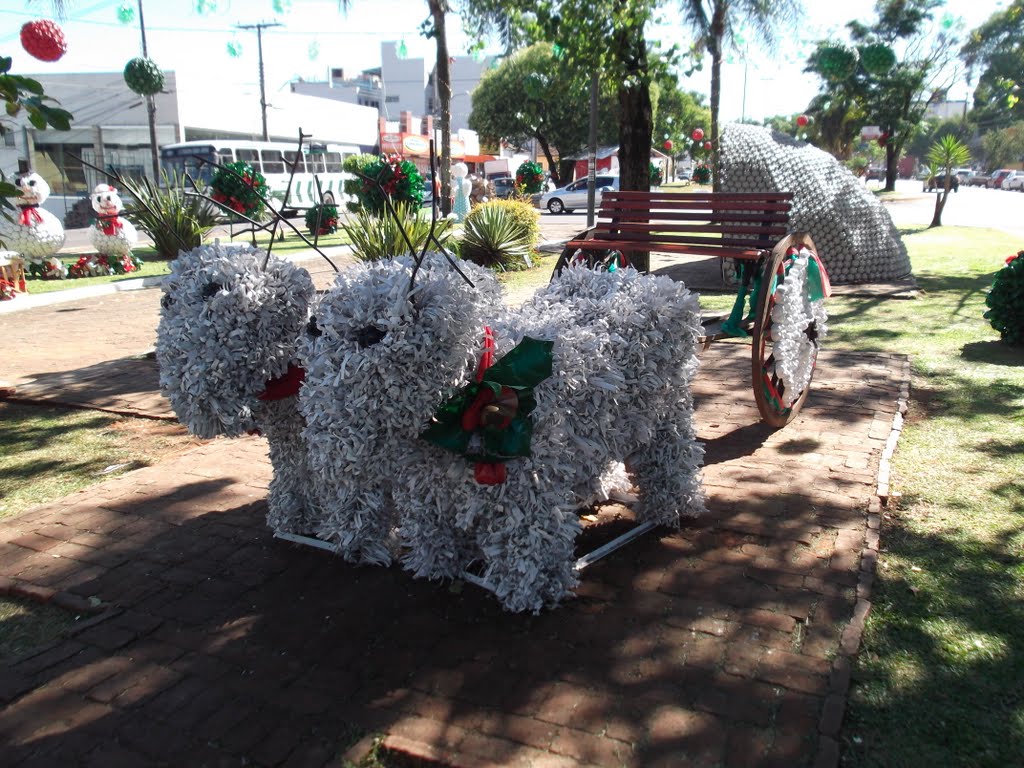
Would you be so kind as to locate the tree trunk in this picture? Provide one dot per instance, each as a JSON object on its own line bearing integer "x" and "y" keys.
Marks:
{"x": 443, "y": 83}
{"x": 940, "y": 203}
{"x": 552, "y": 165}
{"x": 635, "y": 127}
{"x": 891, "y": 156}
{"x": 717, "y": 32}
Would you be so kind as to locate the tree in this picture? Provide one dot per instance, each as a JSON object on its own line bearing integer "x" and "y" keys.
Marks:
{"x": 531, "y": 96}
{"x": 676, "y": 112}
{"x": 715, "y": 23}
{"x": 888, "y": 91}
{"x": 606, "y": 36}
{"x": 995, "y": 49}
{"x": 1004, "y": 146}
{"x": 947, "y": 153}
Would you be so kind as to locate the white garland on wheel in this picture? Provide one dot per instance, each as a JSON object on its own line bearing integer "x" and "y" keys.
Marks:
{"x": 793, "y": 314}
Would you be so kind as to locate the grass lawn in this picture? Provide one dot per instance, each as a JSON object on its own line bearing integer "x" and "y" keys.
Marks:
{"x": 940, "y": 677}
{"x": 48, "y": 452}
{"x": 25, "y": 625}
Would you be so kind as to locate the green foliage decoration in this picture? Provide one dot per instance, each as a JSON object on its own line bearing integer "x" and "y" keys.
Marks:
{"x": 494, "y": 237}
{"x": 877, "y": 58}
{"x": 656, "y": 175}
{"x": 530, "y": 177}
{"x": 836, "y": 61}
{"x": 353, "y": 185}
{"x": 1006, "y": 301}
{"x": 173, "y": 219}
{"x": 143, "y": 76}
{"x": 380, "y": 237}
{"x": 400, "y": 180}
{"x": 324, "y": 215}
{"x": 240, "y": 191}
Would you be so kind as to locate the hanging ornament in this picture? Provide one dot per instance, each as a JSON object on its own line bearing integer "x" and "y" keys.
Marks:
{"x": 314, "y": 50}
{"x": 877, "y": 58}
{"x": 126, "y": 13}
{"x": 478, "y": 55}
{"x": 205, "y": 7}
{"x": 698, "y": 134}
{"x": 948, "y": 20}
{"x": 803, "y": 120}
{"x": 44, "y": 40}
{"x": 707, "y": 145}
{"x": 402, "y": 51}
{"x": 883, "y": 139}
{"x": 558, "y": 51}
{"x": 837, "y": 61}
{"x": 234, "y": 49}
{"x": 667, "y": 145}
{"x": 282, "y": 6}
{"x": 143, "y": 76}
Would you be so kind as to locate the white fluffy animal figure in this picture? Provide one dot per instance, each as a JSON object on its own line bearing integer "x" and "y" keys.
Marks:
{"x": 113, "y": 235}
{"x": 226, "y": 347}
{"x": 35, "y": 233}
{"x": 596, "y": 368}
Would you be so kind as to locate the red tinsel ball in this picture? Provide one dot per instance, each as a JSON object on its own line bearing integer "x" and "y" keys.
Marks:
{"x": 707, "y": 145}
{"x": 803, "y": 120}
{"x": 698, "y": 134}
{"x": 44, "y": 40}
{"x": 668, "y": 144}
{"x": 883, "y": 139}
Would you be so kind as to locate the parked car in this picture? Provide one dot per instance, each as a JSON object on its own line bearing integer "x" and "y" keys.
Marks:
{"x": 978, "y": 180}
{"x": 875, "y": 173}
{"x": 1014, "y": 180}
{"x": 995, "y": 181}
{"x": 567, "y": 198}
{"x": 938, "y": 183}
{"x": 504, "y": 186}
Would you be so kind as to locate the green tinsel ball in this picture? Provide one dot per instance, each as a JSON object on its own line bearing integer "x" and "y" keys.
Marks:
{"x": 327, "y": 216}
{"x": 530, "y": 176}
{"x": 143, "y": 76}
{"x": 399, "y": 179}
{"x": 837, "y": 61}
{"x": 877, "y": 59}
{"x": 1006, "y": 301}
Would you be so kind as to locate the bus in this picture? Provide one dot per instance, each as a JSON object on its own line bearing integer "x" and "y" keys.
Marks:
{"x": 274, "y": 160}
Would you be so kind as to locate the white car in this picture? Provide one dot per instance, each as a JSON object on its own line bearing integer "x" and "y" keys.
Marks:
{"x": 565, "y": 199}
{"x": 1014, "y": 180}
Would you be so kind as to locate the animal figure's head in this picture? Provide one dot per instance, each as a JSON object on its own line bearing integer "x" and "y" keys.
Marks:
{"x": 228, "y": 327}
{"x": 106, "y": 201}
{"x": 380, "y": 358}
{"x": 34, "y": 190}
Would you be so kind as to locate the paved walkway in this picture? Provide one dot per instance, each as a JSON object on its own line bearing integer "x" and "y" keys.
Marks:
{"x": 726, "y": 643}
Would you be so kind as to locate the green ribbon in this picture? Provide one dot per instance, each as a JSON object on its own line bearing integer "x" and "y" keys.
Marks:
{"x": 733, "y": 324}
{"x": 815, "y": 283}
{"x": 520, "y": 370}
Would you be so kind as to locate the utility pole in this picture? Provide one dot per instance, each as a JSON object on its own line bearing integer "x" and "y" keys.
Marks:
{"x": 259, "y": 47}
{"x": 150, "y": 107}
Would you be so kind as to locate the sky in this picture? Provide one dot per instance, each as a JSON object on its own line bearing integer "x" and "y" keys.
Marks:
{"x": 195, "y": 35}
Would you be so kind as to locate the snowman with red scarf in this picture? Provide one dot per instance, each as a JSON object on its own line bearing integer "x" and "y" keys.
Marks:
{"x": 33, "y": 232}
{"x": 113, "y": 236}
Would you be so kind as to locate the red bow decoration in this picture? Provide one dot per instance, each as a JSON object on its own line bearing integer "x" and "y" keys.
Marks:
{"x": 29, "y": 212}
{"x": 109, "y": 224}
{"x": 284, "y": 386}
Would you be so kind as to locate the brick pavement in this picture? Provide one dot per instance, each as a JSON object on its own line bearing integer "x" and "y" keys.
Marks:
{"x": 727, "y": 643}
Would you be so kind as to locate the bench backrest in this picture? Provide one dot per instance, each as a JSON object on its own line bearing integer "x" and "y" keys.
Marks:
{"x": 707, "y": 219}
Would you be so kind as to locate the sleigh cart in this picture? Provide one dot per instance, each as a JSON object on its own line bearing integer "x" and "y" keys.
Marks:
{"x": 749, "y": 232}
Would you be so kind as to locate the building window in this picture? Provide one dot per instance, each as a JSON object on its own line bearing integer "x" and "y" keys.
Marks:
{"x": 390, "y": 99}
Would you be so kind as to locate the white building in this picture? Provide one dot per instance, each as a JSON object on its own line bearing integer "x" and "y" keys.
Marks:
{"x": 110, "y": 125}
{"x": 403, "y": 84}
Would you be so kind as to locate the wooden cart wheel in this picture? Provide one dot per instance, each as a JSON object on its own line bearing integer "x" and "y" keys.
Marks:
{"x": 769, "y": 390}
{"x": 605, "y": 259}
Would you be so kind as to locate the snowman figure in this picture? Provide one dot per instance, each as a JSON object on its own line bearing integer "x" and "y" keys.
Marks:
{"x": 463, "y": 187}
{"x": 113, "y": 236}
{"x": 34, "y": 233}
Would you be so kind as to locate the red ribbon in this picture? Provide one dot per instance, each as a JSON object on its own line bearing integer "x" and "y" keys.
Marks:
{"x": 284, "y": 386}
{"x": 109, "y": 224}
{"x": 29, "y": 212}
{"x": 485, "y": 474}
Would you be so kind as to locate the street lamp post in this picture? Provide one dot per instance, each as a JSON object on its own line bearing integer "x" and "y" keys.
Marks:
{"x": 150, "y": 107}
{"x": 259, "y": 48}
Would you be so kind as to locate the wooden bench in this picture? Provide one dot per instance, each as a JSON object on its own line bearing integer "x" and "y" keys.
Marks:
{"x": 748, "y": 228}
{"x": 743, "y": 226}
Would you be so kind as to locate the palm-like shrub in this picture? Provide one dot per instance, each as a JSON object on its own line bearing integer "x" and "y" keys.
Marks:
{"x": 380, "y": 237}
{"x": 175, "y": 220}
{"x": 495, "y": 236}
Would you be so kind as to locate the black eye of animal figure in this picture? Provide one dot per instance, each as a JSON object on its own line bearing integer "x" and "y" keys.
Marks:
{"x": 368, "y": 336}
{"x": 212, "y": 289}
{"x": 313, "y": 329}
